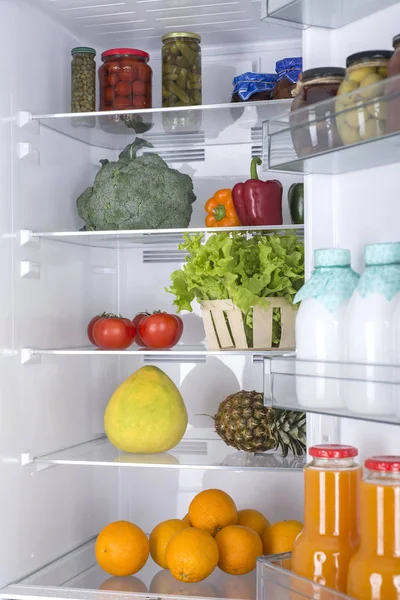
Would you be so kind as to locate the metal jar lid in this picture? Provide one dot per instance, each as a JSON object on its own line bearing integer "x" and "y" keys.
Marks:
{"x": 367, "y": 56}
{"x": 181, "y": 34}
{"x": 83, "y": 50}
{"x": 321, "y": 72}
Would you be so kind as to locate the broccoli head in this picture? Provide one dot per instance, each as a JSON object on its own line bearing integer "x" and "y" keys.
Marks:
{"x": 137, "y": 193}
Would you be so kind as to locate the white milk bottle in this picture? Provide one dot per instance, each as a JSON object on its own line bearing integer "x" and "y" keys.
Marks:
{"x": 319, "y": 322}
{"x": 369, "y": 332}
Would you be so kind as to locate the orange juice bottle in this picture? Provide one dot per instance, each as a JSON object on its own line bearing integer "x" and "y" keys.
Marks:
{"x": 329, "y": 538}
{"x": 374, "y": 571}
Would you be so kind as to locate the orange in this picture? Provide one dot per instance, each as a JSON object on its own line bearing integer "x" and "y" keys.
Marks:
{"x": 186, "y": 520}
{"x": 192, "y": 555}
{"x": 249, "y": 517}
{"x": 121, "y": 548}
{"x": 279, "y": 537}
{"x": 124, "y": 584}
{"x": 160, "y": 538}
{"x": 164, "y": 584}
{"x": 239, "y": 547}
{"x": 212, "y": 510}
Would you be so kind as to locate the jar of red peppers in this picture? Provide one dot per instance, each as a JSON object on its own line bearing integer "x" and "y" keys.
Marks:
{"x": 125, "y": 79}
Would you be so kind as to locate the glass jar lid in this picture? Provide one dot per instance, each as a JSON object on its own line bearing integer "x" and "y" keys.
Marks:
{"x": 367, "y": 56}
{"x": 332, "y": 451}
{"x": 125, "y": 52}
{"x": 321, "y": 72}
{"x": 386, "y": 464}
{"x": 83, "y": 50}
{"x": 181, "y": 34}
{"x": 396, "y": 40}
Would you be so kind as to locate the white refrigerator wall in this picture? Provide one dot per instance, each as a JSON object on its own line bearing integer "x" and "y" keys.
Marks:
{"x": 354, "y": 209}
{"x": 59, "y": 401}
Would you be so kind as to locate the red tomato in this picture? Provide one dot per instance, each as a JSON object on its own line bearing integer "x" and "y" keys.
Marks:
{"x": 112, "y": 79}
{"x": 136, "y": 320}
{"x": 138, "y": 88}
{"x": 180, "y": 322}
{"x": 160, "y": 331}
{"x": 91, "y": 325}
{"x": 113, "y": 333}
{"x": 109, "y": 94}
{"x": 122, "y": 88}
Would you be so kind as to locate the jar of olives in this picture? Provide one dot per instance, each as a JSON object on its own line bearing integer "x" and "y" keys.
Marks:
{"x": 362, "y": 115}
{"x": 83, "y": 80}
{"x": 181, "y": 69}
{"x": 313, "y": 126}
{"x": 125, "y": 79}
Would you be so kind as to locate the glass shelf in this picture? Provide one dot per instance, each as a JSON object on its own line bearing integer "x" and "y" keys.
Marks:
{"x": 189, "y": 454}
{"x": 355, "y": 391}
{"x": 145, "y": 237}
{"x": 76, "y": 576}
{"x": 340, "y": 135}
{"x": 181, "y": 130}
{"x": 323, "y": 13}
{"x": 177, "y": 351}
{"x": 276, "y": 581}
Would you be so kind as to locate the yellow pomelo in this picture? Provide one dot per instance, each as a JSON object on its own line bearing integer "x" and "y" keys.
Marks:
{"x": 146, "y": 413}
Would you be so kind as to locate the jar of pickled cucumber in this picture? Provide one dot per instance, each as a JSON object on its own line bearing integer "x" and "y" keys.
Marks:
{"x": 181, "y": 69}
{"x": 83, "y": 80}
{"x": 362, "y": 112}
{"x": 392, "y": 88}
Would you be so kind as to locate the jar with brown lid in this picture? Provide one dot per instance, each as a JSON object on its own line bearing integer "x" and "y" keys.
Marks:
{"x": 315, "y": 130}
{"x": 393, "y": 88}
{"x": 363, "y": 113}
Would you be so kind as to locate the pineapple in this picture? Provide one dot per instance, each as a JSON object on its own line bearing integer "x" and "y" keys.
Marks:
{"x": 243, "y": 422}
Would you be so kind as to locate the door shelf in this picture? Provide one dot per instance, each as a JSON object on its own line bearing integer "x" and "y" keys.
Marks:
{"x": 304, "y": 385}
{"x": 147, "y": 237}
{"x": 276, "y": 580}
{"x": 202, "y": 454}
{"x": 195, "y": 126}
{"x": 309, "y": 140}
{"x": 76, "y": 576}
{"x": 323, "y": 13}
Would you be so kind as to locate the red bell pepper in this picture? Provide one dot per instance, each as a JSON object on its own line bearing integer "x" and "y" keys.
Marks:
{"x": 258, "y": 202}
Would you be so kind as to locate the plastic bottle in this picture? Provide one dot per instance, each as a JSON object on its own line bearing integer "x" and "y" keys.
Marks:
{"x": 374, "y": 571}
{"x": 369, "y": 332}
{"x": 330, "y": 536}
{"x": 319, "y": 321}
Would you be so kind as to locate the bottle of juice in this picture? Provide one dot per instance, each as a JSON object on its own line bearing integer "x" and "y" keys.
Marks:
{"x": 374, "y": 571}
{"x": 330, "y": 536}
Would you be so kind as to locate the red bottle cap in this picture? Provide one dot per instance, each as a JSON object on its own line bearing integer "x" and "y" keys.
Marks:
{"x": 332, "y": 451}
{"x": 131, "y": 51}
{"x": 383, "y": 463}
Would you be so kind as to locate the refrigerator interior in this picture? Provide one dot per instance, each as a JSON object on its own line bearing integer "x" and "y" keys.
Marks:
{"x": 53, "y": 398}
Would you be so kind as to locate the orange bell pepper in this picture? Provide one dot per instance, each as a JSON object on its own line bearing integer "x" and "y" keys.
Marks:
{"x": 221, "y": 211}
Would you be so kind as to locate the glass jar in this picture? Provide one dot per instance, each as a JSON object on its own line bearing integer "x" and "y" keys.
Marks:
{"x": 288, "y": 71}
{"x": 362, "y": 119}
{"x": 330, "y": 537}
{"x": 181, "y": 69}
{"x": 374, "y": 571}
{"x": 83, "y": 80}
{"x": 125, "y": 79}
{"x": 315, "y": 130}
{"x": 253, "y": 87}
{"x": 393, "y": 87}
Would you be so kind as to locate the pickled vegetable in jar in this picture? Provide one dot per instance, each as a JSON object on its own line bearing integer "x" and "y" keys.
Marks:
{"x": 315, "y": 130}
{"x": 181, "y": 69}
{"x": 363, "y": 113}
{"x": 393, "y": 88}
{"x": 125, "y": 79}
{"x": 252, "y": 87}
{"x": 83, "y": 80}
{"x": 288, "y": 71}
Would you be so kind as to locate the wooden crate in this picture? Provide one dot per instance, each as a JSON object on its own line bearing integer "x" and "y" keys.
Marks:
{"x": 216, "y": 314}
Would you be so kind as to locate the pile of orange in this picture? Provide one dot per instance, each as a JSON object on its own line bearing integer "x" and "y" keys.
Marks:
{"x": 213, "y": 533}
